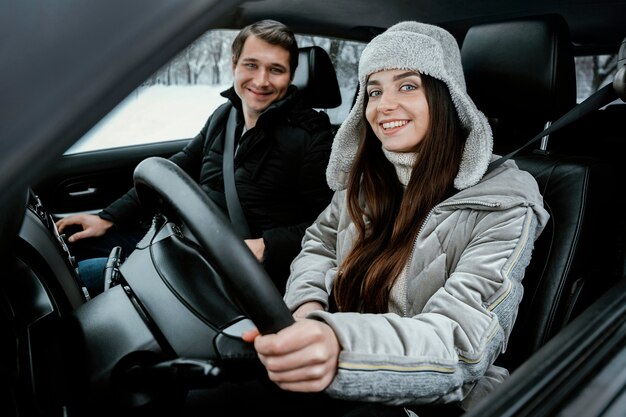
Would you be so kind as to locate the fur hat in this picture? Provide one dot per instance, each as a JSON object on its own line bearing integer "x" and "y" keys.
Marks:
{"x": 429, "y": 50}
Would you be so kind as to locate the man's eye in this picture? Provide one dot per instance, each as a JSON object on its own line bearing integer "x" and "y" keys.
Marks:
{"x": 277, "y": 70}
{"x": 251, "y": 66}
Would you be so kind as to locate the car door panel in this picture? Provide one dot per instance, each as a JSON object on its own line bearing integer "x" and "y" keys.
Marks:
{"x": 89, "y": 181}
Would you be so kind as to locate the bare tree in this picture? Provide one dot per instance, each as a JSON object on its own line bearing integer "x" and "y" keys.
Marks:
{"x": 198, "y": 55}
{"x": 163, "y": 76}
{"x": 593, "y": 72}
{"x": 305, "y": 40}
{"x": 604, "y": 68}
{"x": 347, "y": 63}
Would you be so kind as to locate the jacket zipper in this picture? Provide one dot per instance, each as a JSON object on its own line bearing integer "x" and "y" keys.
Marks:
{"x": 419, "y": 232}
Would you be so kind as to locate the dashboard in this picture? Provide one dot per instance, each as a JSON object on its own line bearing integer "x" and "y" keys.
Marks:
{"x": 47, "y": 251}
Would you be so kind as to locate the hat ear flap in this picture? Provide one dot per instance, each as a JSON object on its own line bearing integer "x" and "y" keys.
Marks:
{"x": 346, "y": 143}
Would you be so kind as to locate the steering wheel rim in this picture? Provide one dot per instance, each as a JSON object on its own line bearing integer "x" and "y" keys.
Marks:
{"x": 160, "y": 182}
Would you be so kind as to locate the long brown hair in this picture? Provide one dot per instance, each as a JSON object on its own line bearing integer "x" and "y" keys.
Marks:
{"x": 380, "y": 252}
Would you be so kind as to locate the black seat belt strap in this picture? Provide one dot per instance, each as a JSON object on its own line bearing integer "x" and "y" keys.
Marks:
{"x": 235, "y": 212}
{"x": 600, "y": 98}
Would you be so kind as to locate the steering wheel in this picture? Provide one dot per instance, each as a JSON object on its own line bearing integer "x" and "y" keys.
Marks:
{"x": 161, "y": 183}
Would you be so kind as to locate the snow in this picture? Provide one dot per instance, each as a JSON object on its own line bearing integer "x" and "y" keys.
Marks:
{"x": 154, "y": 114}
{"x": 163, "y": 113}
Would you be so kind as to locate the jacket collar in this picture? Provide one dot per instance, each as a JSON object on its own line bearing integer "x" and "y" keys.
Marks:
{"x": 275, "y": 108}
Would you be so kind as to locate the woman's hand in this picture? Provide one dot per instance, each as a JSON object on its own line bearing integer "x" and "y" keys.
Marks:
{"x": 302, "y": 311}
{"x": 302, "y": 357}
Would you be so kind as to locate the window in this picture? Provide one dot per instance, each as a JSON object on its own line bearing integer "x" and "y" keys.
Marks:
{"x": 175, "y": 102}
{"x": 592, "y": 73}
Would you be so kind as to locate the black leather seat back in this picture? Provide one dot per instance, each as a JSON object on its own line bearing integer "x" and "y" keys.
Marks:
{"x": 576, "y": 258}
{"x": 521, "y": 74}
{"x": 316, "y": 78}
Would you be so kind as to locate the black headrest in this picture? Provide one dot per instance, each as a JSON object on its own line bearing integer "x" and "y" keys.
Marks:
{"x": 521, "y": 68}
{"x": 316, "y": 79}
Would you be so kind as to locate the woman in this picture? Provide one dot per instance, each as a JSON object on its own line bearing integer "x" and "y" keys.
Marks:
{"x": 408, "y": 284}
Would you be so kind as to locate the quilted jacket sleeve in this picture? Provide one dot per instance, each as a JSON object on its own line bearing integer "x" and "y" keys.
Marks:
{"x": 440, "y": 353}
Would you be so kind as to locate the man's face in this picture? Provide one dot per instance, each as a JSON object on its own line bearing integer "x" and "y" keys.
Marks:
{"x": 261, "y": 76}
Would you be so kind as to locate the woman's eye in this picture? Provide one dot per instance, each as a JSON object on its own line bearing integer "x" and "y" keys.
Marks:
{"x": 408, "y": 87}
{"x": 373, "y": 93}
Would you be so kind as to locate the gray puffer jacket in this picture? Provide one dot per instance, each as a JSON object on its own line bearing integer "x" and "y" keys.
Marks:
{"x": 459, "y": 300}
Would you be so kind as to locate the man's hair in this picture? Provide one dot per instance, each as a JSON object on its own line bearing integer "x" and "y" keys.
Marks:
{"x": 272, "y": 32}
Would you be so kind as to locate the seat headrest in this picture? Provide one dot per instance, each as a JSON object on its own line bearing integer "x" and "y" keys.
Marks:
{"x": 316, "y": 79}
{"x": 521, "y": 68}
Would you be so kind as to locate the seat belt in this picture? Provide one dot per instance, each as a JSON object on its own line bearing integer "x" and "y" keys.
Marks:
{"x": 600, "y": 98}
{"x": 235, "y": 212}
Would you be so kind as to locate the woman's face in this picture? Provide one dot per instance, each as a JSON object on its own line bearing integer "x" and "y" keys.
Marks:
{"x": 397, "y": 109}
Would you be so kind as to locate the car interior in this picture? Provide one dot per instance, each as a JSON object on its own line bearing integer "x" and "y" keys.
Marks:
{"x": 171, "y": 318}
{"x": 125, "y": 335}
{"x": 532, "y": 59}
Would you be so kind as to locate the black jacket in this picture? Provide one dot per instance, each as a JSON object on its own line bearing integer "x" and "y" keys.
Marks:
{"x": 280, "y": 175}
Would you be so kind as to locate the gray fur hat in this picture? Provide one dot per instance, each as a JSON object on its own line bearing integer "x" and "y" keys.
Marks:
{"x": 429, "y": 50}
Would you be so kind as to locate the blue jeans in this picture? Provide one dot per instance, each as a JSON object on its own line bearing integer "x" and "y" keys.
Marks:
{"x": 91, "y": 272}
{"x": 92, "y": 255}
{"x": 97, "y": 247}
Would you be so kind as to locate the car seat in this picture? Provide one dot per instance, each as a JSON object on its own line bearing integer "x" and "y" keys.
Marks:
{"x": 521, "y": 75}
{"x": 316, "y": 78}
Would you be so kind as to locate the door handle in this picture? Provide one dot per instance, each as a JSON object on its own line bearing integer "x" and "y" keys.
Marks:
{"x": 87, "y": 191}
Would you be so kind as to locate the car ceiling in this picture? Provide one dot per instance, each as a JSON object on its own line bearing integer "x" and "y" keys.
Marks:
{"x": 65, "y": 64}
{"x": 352, "y": 18}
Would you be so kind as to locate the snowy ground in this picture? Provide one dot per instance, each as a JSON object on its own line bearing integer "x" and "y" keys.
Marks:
{"x": 154, "y": 114}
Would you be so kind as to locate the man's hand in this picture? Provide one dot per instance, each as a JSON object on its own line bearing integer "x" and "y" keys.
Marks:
{"x": 92, "y": 225}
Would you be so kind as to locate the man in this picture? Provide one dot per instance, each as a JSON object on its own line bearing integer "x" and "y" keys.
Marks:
{"x": 281, "y": 154}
